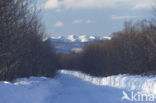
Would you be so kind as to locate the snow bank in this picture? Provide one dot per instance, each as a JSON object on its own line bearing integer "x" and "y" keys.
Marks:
{"x": 128, "y": 82}
{"x": 32, "y": 90}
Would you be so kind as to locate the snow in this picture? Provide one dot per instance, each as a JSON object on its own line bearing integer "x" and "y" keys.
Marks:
{"x": 79, "y": 38}
{"x": 71, "y": 38}
{"x": 107, "y": 38}
{"x": 92, "y": 37}
{"x": 128, "y": 82}
{"x": 83, "y": 38}
{"x": 32, "y": 90}
{"x": 56, "y": 37}
{"x": 74, "y": 87}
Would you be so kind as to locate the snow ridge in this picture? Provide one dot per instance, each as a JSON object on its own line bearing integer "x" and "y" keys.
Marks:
{"x": 128, "y": 82}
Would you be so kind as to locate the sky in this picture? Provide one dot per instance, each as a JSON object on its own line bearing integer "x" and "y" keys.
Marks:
{"x": 91, "y": 17}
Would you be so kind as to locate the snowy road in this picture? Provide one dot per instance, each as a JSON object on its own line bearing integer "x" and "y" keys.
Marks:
{"x": 74, "y": 87}
{"x": 74, "y": 90}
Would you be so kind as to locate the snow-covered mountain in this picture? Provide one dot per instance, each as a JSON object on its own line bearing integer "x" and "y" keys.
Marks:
{"x": 79, "y": 38}
{"x": 74, "y": 43}
{"x": 77, "y": 87}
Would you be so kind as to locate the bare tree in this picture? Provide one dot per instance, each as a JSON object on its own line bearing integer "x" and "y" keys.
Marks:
{"x": 22, "y": 51}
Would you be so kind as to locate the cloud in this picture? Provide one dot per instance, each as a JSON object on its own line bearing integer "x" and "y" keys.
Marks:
{"x": 87, "y": 4}
{"x": 59, "y": 24}
{"x": 144, "y": 5}
{"x": 78, "y": 21}
{"x": 90, "y": 21}
{"x": 82, "y": 4}
{"x": 115, "y": 17}
{"x": 50, "y": 4}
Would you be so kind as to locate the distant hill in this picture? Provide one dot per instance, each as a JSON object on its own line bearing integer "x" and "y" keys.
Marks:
{"x": 73, "y": 43}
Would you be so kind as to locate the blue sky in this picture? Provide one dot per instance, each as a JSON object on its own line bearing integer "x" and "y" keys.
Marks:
{"x": 91, "y": 17}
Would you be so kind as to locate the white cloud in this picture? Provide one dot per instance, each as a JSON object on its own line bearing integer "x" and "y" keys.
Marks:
{"x": 115, "y": 17}
{"x": 59, "y": 24}
{"x": 86, "y": 4}
{"x": 90, "y": 21}
{"x": 144, "y": 5}
{"x": 82, "y": 4}
{"x": 78, "y": 21}
{"x": 52, "y": 4}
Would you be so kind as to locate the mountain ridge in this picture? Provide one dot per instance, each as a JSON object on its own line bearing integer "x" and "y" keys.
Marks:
{"x": 74, "y": 43}
{"x": 79, "y": 38}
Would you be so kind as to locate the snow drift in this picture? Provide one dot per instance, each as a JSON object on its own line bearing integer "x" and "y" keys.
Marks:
{"x": 128, "y": 82}
{"x": 32, "y": 90}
